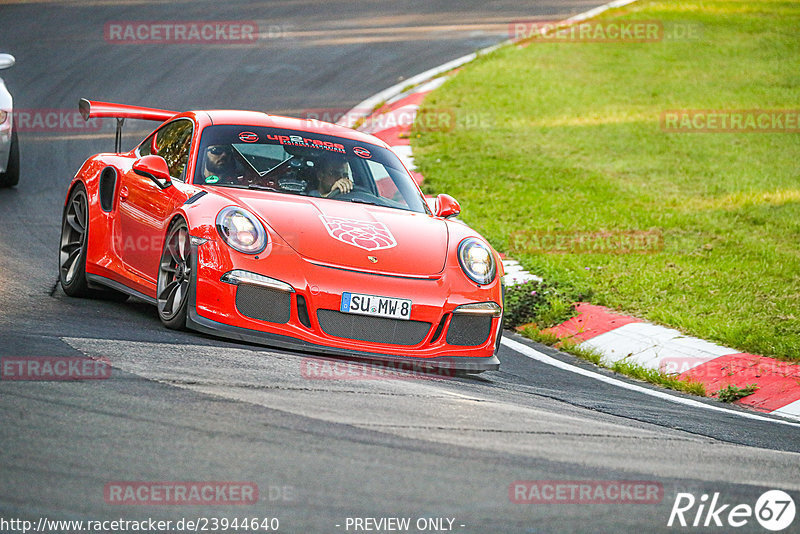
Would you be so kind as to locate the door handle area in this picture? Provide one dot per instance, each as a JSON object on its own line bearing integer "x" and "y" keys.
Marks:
{"x": 123, "y": 194}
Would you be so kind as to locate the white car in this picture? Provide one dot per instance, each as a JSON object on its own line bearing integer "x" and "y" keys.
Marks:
{"x": 9, "y": 146}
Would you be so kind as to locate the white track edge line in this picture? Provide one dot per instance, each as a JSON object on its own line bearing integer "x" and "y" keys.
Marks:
{"x": 365, "y": 107}
{"x": 548, "y": 360}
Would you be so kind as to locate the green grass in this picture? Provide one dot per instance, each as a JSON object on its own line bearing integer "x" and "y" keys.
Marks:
{"x": 559, "y": 137}
{"x": 733, "y": 393}
{"x": 659, "y": 378}
{"x": 542, "y": 303}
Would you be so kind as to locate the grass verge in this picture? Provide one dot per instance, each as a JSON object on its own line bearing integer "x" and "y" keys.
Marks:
{"x": 559, "y": 139}
{"x": 733, "y": 393}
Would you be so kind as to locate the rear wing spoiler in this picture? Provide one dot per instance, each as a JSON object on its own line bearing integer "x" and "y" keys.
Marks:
{"x": 93, "y": 109}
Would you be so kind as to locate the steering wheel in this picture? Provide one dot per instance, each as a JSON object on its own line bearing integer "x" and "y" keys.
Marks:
{"x": 286, "y": 176}
{"x": 358, "y": 192}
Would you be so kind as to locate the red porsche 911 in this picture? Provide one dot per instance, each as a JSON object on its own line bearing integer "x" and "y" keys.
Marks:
{"x": 285, "y": 232}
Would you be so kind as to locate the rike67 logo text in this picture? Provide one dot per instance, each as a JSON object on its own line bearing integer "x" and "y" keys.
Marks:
{"x": 774, "y": 510}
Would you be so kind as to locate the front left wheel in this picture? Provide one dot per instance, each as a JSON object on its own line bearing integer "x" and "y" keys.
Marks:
{"x": 74, "y": 239}
{"x": 72, "y": 250}
{"x": 175, "y": 276}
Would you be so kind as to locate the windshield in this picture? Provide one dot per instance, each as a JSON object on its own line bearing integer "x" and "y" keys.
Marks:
{"x": 304, "y": 163}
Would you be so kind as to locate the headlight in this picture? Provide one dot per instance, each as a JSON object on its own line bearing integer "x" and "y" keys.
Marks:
{"x": 477, "y": 261}
{"x": 3, "y": 116}
{"x": 241, "y": 230}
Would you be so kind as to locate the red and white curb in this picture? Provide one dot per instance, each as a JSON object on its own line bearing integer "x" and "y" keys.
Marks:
{"x": 390, "y": 114}
{"x": 624, "y": 338}
{"x": 516, "y": 274}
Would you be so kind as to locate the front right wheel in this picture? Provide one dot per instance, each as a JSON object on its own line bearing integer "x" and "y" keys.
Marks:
{"x": 175, "y": 276}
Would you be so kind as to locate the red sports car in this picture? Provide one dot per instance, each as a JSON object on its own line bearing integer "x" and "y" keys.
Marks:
{"x": 286, "y": 232}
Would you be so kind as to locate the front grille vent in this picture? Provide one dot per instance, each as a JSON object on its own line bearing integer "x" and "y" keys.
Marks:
{"x": 469, "y": 330}
{"x": 372, "y": 329}
{"x": 263, "y": 303}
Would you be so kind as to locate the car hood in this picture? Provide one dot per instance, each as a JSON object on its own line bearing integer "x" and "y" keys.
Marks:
{"x": 352, "y": 235}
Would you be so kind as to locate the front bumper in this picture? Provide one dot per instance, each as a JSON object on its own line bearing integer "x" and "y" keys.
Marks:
{"x": 317, "y": 290}
{"x": 207, "y": 326}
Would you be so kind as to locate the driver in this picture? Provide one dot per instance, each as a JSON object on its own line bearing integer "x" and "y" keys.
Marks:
{"x": 333, "y": 176}
{"x": 220, "y": 166}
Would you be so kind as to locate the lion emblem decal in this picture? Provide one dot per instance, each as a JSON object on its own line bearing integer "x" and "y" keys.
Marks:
{"x": 362, "y": 234}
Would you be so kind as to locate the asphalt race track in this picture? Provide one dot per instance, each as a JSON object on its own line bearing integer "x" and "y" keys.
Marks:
{"x": 181, "y": 406}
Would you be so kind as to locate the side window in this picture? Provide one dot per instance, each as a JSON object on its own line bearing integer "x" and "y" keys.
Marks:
{"x": 145, "y": 149}
{"x": 386, "y": 186}
{"x": 172, "y": 143}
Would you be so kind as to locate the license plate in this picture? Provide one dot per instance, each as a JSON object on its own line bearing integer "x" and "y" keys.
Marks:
{"x": 376, "y": 306}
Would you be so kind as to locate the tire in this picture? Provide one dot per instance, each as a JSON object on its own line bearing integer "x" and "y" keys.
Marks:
{"x": 72, "y": 250}
{"x": 73, "y": 244}
{"x": 175, "y": 276}
{"x": 10, "y": 178}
